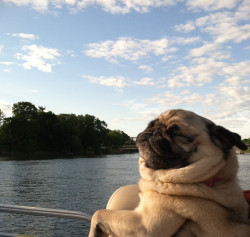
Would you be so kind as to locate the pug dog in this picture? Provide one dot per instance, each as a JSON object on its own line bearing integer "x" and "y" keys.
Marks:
{"x": 188, "y": 185}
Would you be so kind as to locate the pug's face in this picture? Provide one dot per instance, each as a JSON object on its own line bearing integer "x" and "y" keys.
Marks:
{"x": 178, "y": 137}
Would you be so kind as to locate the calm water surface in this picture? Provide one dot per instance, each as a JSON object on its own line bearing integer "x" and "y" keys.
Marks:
{"x": 82, "y": 184}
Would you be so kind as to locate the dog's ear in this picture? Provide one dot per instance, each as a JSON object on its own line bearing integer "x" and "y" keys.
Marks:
{"x": 226, "y": 138}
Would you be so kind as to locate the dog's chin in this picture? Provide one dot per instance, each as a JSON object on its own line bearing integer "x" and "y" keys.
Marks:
{"x": 159, "y": 152}
{"x": 157, "y": 165}
{"x": 167, "y": 160}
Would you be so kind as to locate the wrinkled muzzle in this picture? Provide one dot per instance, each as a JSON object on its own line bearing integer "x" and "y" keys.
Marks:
{"x": 160, "y": 152}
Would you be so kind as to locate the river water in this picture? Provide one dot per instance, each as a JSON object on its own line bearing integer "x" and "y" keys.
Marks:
{"x": 81, "y": 184}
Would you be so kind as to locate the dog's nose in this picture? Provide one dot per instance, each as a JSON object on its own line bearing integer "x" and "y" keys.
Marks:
{"x": 147, "y": 134}
{"x": 144, "y": 136}
{"x": 157, "y": 132}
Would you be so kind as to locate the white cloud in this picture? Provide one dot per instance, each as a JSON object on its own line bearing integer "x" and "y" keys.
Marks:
{"x": 38, "y": 5}
{"x": 166, "y": 58}
{"x": 213, "y": 50}
{"x": 228, "y": 102}
{"x": 118, "y": 82}
{"x": 147, "y": 81}
{"x": 206, "y": 48}
{"x": 71, "y": 53}
{"x": 38, "y": 57}
{"x": 134, "y": 105}
{"x": 170, "y": 99}
{"x": 135, "y": 49}
{"x": 6, "y": 108}
{"x": 7, "y": 63}
{"x": 185, "y": 41}
{"x": 122, "y": 82}
{"x": 235, "y": 99}
{"x": 243, "y": 10}
{"x": 111, "y": 6}
{"x": 146, "y": 68}
{"x": 223, "y": 26}
{"x": 125, "y": 6}
{"x": 205, "y": 70}
{"x": 211, "y": 5}
{"x": 230, "y": 98}
{"x": 185, "y": 28}
{"x": 25, "y": 36}
{"x": 128, "y": 49}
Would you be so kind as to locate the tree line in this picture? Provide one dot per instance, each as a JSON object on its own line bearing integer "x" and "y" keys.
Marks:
{"x": 247, "y": 142}
{"x": 31, "y": 129}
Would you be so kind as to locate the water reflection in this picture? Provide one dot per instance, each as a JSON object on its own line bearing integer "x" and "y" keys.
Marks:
{"x": 74, "y": 184}
{"x": 83, "y": 184}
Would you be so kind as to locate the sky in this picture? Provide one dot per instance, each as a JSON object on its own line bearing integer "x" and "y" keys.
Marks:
{"x": 128, "y": 61}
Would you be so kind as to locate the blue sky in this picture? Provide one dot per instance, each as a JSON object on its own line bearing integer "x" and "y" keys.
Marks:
{"x": 127, "y": 61}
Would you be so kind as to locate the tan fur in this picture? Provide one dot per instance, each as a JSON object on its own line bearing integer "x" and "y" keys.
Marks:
{"x": 177, "y": 202}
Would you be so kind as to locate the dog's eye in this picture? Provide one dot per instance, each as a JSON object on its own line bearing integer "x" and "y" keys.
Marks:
{"x": 173, "y": 129}
{"x": 175, "y": 133}
{"x": 183, "y": 139}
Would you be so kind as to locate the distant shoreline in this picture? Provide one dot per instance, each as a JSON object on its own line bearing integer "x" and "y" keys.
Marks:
{"x": 51, "y": 155}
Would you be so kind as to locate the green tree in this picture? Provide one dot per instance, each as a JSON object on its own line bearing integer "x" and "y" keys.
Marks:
{"x": 18, "y": 131}
{"x": 69, "y": 137}
{"x": 19, "y": 135}
{"x": 24, "y": 110}
{"x": 47, "y": 130}
{"x": 246, "y": 141}
{"x": 32, "y": 129}
{"x": 116, "y": 138}
{"x": 93, "y": 132}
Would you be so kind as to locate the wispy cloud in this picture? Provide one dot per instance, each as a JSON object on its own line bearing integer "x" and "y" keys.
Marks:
{"x": 25, "y": 36}
{"x": 146, "y": 68}
{"x": 126, "y": 6}
{"x": 146, "y": 81}
{"x": 193, "y": 65}
{"x": 113, "y": 7}
{"x": 211, "y": 5}
{"x": 185, "y": 40}
{"x": 222, "y": 26}
{"x": 6, "y": 63}
{"x": 132, "y": 49}
{"x": 185, "y": 28}
{"x": 123, "y": 6}
{"x": 35, "y": 91}
{"x": 117, "y": 82}
{"x": 1, "y": 48}
{"x": 38, "y": 57}
{"x": 128, "y": 49}
{"x": 207, "y": 48}
{"x": 213, "y": 50}
{"x": 6, "y": 107}
{"x": 205, "y": 70}
{"x": 227, "y": 100}
{"x": 37, "y": 5}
